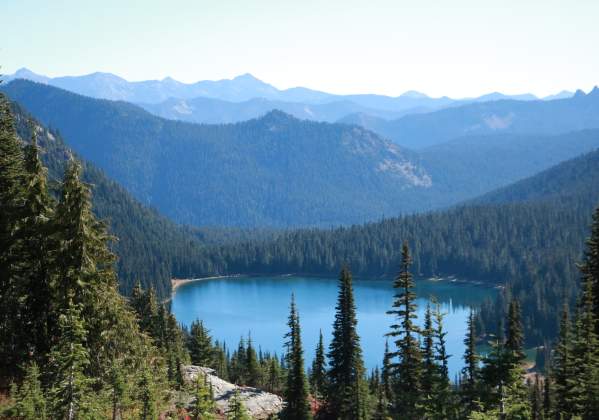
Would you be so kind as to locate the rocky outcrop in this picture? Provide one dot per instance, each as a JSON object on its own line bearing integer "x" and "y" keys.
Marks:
{"x": 260, "y": 404}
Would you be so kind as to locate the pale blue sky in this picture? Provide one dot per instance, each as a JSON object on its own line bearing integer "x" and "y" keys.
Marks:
{"x": 454, "y": 47}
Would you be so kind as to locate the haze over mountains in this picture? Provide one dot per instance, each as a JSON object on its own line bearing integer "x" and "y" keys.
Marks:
{"x": 281, "y": 171}
{"x": 246, "y": 97}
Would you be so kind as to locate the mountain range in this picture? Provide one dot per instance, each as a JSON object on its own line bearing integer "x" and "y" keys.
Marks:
{"x": 419, "y": 131}
{"x": 170, "y": 98}
{"x": 280, "y": 171}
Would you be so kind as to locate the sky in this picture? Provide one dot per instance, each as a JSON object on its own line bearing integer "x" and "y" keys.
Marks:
{"x": 458, "y": 48}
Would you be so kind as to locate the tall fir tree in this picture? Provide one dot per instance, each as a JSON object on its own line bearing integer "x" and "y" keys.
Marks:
{"x": 236, "y": 409}
{"x": 38, "y": 249}
{"x": 30, "y": 400}
{"x": 444, "y": 402}
{"x": 347, "y": 395}
{"x": 296, "y": 392}
{"x": 71, "y": 390}
{"x": 470, "y": 372}
{"x": 254, "y": 374}
{"x": 202, "y": 407}
{"x": 200, "y": 344}
{"x": 564, "y": 370}
{"x": 318, "y": 378}
{"x": 430, "y": 371}
{"x": 407, "y": 370}
{"x": 590, "y": 266}
{"x": 585, "y": 352}
{"x": 12, "y": 176}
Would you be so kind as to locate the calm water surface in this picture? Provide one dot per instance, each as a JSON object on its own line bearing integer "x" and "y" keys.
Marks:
{"x": 234, "y": 307}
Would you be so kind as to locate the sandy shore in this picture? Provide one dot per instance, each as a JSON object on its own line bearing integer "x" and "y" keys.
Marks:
{"x": 179, "y": 282}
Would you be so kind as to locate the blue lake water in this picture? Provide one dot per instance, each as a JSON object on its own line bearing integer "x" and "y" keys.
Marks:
{"x": 234, "y": 307}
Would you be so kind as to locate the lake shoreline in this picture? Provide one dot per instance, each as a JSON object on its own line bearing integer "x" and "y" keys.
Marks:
{"x": 176, "y": 283}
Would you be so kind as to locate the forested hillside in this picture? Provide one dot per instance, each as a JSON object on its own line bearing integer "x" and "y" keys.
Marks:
{"x": 273, "y": 171}
{"x": 278, "y": 171}
{"x": 558, "y": 116}
{"x": 530, "y": 246}
{"x": 151, "y": 249}
{"x": 472, "y": 165}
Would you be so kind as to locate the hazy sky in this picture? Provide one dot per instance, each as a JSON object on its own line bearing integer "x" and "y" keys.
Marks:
{"x": 446, "y": 47}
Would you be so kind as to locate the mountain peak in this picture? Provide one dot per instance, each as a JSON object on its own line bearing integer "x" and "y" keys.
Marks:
{"x": 247, "y": 77}
{"x": 413, "y": 94}
{"x": 276, "y": 115}
{"x": 579, "y": 93}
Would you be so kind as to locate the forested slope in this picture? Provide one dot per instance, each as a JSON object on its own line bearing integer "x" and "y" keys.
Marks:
{"x": 150, "y": 248}
{"x": 530, "y": 246}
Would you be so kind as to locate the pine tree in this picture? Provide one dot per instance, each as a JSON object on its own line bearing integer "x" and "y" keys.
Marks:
{"x": 30, "y": 401}
{"x": 37, "y": 249}
{"x": 202, "y": 407}
{"x": 200, "y": 345}
{"x": 147, "y": 396}
{"x": 470, "y": 371}
{"x": 585, "y": 352}
{"x": 386, "y": 373}
{"x": 69, "y": 360}
{"x": 536, "y": 399}
{"x": 236, "y": 409}
{"x": 443, "y": 401}
{"x": 347, "y": 395}
{"x": 590, "y": 266}
{"x": 84, "y": 259}
{"x": 318, "y": 372}
{"x": 296, "y": 392}
{"x": 407, "y": 371}
{"x": 254, "y": 375}
{"x": 430, "y": 369}
{"x": 564, "y": 370}
{"x": 12, "y": 175}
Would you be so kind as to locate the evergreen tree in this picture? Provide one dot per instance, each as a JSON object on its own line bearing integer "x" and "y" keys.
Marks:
{"x": 200, "y": 345}
{"x": 254, "y": 375}
{"x": 407, "y": 371}
{"x": 318, "y": 372}
{"x": 347, "y": 395}
{"x": 202, "y": 407}
{"x": 470, "y": 371}
{"x": 68, "y": 362}
{"x": 585, "y": 352}
{"x": 30, "y": 401}
{"x": 147, "y": 396}
{"x": 386, "y": 373}
{"x": 443, "y": 402}
{"x": 590, "y": 266}
{"x": 12, "y": 174}
{"x": 236, "y": 409}
{"x": 37, "y": 251}
{"x": 296, "y": 392}
{"x": 430, "y": 371}
{"x": 84, "y": 259}
{"x": 536, "y": 400}
{"x": 563, "y": 370}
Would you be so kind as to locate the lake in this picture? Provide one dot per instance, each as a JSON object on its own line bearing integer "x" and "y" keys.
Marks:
{"x": 233, "y": 307}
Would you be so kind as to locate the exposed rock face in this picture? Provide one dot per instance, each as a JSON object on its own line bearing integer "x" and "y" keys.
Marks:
{"x": 259, "y": 404}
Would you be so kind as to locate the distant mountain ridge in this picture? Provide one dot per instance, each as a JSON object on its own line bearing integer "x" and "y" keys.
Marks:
{"x": 421, "y": 130}
{"x": 241, "y": 88}
{"x": 272, "y": 171}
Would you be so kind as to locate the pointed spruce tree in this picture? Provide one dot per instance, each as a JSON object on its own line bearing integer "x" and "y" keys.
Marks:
{"x": 318, "y": 383}
{"x": 407, "y": 368}
{"x": 347, "y": 395}
{"x": 470, "y": 372}
{"x": 12, "y": 176}
{"x": 297, "y": 406}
